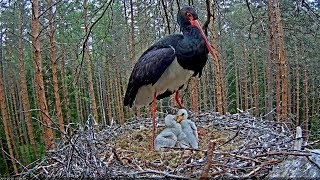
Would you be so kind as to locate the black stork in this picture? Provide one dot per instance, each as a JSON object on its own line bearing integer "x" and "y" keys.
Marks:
{"x": 167, "y": 65}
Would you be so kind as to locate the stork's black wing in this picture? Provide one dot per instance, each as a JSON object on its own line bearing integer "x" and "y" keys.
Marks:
{"x": 149, "y": 68}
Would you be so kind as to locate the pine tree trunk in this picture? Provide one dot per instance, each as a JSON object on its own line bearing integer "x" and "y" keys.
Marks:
{"x": 119, "y": 97}
{"x": 218, "y": 83}
{"x": 194, "y": 95}
{"x": 297, "y": 95}
{"x": 306, "y": 103}
{"x": 273, "y": 48}
{"x": 108, "y": 93}
{"x": 283, "y": 66}
{"x": 82, "y": 105}
{"x": 89, "y": 68}
{"x": 15, "y": 133}
{"x": 127, "y": 39}
{"x": 4, "y": 157}
{"x": 255, "y": 83}
{"x": 77, "y": 98}
{"x": 313, "y": 106}
{"x": 133, "y": 49}
{"x": 245, "y": 101}
{"x": 66, "y": 103}
{"x": 113, "y": 104}
{"x": 101, "y": 96}
{"x": 54, "y": 70}
{"x": 204, "y": 89}
{"x": 42, "y": 103}
{"x": 274, "y": 37}
{"x": 224, "y": 89}
{"x": 236, "y": 67}
{"x": 5, "y": 119}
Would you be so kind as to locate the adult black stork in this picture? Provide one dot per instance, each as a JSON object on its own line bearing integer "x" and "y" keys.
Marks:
{"x": 167, "y": 65}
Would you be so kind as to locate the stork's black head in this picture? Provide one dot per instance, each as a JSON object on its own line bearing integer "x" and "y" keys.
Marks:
{"x": 186, "y": 15}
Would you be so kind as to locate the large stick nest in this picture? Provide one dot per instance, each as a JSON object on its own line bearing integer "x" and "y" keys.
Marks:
{"x": 241, "y": 147}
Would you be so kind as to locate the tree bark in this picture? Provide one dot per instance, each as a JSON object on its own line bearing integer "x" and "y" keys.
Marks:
{"x": 297, "y": 95}
{"x": 313, "y": 106}
{"x": 133, "y": 49}
{"x": 273, "y": 45}
{"x": 42, "y": 102}
{"x": 245, "y": 101}
{"x": 89, "y": 68}
{"x": 218, "y": 80}
{"x": 15, "y": 133}
{"x": 108, "y": 93}
{"x": 283, "y": 66}
{"x": 119, "y": 97}
{"x": 306, "y": 103}
{"x": 255, "y": 83}
{"x": 66, "y": 100}
{"x": 54, "y": 69}
{"x": 6, "y": 119}
{"x": 4, "y": 157}
{"x": 204, "y": 89}
{"x": 236, "y": 68}
{"x": 194, "y": 95}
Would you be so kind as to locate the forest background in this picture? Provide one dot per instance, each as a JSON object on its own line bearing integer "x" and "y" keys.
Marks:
{"x": 62, "y": 60}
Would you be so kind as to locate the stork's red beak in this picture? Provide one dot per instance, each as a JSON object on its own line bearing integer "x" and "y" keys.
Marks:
{"x": 196, "y": 24}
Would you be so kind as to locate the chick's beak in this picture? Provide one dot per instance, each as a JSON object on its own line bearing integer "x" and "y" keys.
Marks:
{"x": 179, "y": 118}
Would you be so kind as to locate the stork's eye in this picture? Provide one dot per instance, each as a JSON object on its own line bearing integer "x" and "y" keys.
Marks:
{"x": 189, "y": 14}
{"x": 182, "y": 114}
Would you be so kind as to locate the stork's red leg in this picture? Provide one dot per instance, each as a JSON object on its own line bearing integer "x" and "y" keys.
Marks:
{"x": 154, "y": 109}
{"x": 178, "y": 99}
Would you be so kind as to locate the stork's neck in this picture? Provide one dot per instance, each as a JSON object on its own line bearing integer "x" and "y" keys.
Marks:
{"x": 191, "y": 32}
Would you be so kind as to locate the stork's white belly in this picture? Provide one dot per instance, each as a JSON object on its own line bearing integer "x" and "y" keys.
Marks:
{"x": 172, "y": 78}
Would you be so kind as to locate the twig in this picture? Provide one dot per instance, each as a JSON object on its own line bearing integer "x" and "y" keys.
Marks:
{"x": 237, "y": 156}
{"x": 165, "y": 174}
{"x": 252, "y": 172}
{"x": 205, "y": 172}
{"x": 15, "y": 160}
{"x": 117, "y": 156}
{"x": 272, "y": 153}
{"x": 311, "y": 143}
{"x": 87, "y": 37}
{"x": 183, "y": 149}
{"x": 237, "y": 133}
{"x": 314, "y": 163}
{"x": 252, "y": 18}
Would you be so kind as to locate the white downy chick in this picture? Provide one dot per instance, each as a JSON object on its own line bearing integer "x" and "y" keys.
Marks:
{"x": 189, "y": 128}
{"x": 169, "y": 136}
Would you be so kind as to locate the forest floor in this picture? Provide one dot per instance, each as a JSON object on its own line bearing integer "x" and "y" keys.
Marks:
{"x": 231, "y": 146}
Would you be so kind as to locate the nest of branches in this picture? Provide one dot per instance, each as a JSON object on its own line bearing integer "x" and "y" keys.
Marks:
{"x": 231, "y": 146}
